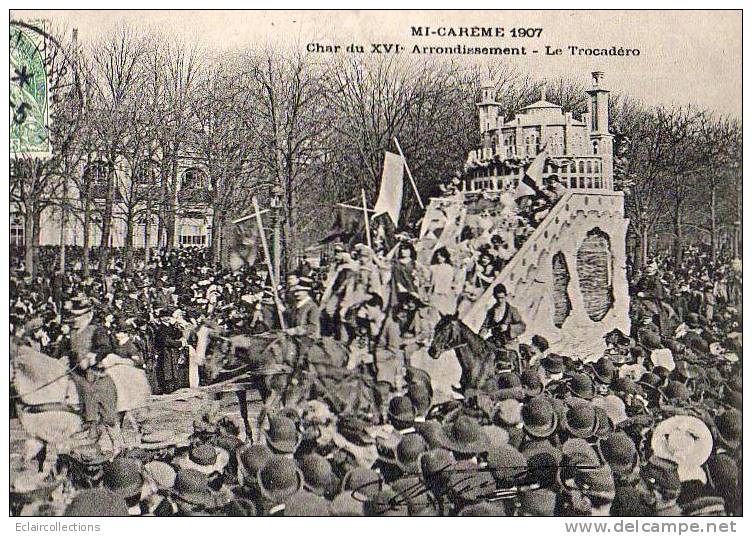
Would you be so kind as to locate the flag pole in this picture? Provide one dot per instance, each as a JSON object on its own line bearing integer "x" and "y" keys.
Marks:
{"x": 269, "y": 266}
{"x": 365, "y": 216}
{"x": 409, "y": 175}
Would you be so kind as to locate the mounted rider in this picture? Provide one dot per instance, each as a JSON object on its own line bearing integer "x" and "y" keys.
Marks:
{"x": 503, "y": 322}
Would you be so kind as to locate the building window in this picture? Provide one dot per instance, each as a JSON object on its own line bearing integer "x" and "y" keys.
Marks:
{"x": 16, "y": 231}
{"x": 193, "y": 179}
{"x": 595, "y": 147}
{"x": 144, "y": 173}
{"x": 589, "y": 167}
{"x": 192, "y": 240}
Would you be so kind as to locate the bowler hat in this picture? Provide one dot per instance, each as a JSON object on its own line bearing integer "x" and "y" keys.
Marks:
{"x": 282, "y": 435}
{"x": 553, "y": 363}
{"x": 318, "y": 476}
{"x": 97, "y": 502}
{"x": 580, "y": 385}
{"x": 620, "y": 453}
{"x": 510, "y": 386}
{"x": 506, "y": 463}
{"x": 251, "y": 458}
{"x": 123, "y": 477}
{"x": 464, "y": 435}
{"x": 409, "y": 451}
{"x": 401, "y": 409}
{"x": 306, "y": 504}
{"x": 362, "y": 481}
{"x": 279, "y": 479}
{"x": 531, "y": 383}
{"x": 204, "y": 458}
{"x": 604, "y": 370}
{"x": 729, "y": 428}
{"x": 538, "y": 503}
{"x": 581, "y": 421}
{"x": 192, "y": 487}
{"x": 539, "y": 418}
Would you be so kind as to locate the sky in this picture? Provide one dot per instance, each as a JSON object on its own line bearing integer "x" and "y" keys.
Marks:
{"x": 685, "y": 56}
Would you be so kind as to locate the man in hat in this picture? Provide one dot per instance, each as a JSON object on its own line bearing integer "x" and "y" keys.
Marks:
{"x": 503, "y": 322}
{"x": 169, "y": 347}
{"x": 90, "y": 344}
{"x": 306, "y": 316}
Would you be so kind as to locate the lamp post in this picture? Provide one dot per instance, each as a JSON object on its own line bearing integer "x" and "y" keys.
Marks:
{"x": 276, "y": 206}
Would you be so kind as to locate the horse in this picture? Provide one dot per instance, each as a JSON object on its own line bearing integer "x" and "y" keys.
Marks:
{"x": 476, "y": 356}
{"x": 47, "y": 400}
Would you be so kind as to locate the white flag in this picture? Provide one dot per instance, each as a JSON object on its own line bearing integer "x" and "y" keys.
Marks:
{"x": 390, "y": 195}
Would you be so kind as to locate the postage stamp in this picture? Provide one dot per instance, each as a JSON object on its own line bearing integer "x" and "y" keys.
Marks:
{"x": 29, "y": 95}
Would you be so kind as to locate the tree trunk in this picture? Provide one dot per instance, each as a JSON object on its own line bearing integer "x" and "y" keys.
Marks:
{"x": 128, "y": 253}
{"x": 678, "y": 235}
{"x": 87, "y": 237}
{"x": 36, "y": 232}
{"x": 713, "y": 224}
{"x": 104, "y": 244}
{"x": 216, "y": 234}
{"x": 147, "y": 233}
{"x": 171, "y": 215}
{"x": 28, "y": 242}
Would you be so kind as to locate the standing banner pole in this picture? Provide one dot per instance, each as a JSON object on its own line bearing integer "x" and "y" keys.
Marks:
{"x": 409, "y": 175}
{"x": 269, "y": 266}
{"x": 365, "y": 216}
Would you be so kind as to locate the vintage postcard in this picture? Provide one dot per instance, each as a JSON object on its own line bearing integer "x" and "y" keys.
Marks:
{"x": 376, "y": 263}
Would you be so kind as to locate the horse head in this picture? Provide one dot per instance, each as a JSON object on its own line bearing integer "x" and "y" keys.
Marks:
{"x": 447, "y": 335}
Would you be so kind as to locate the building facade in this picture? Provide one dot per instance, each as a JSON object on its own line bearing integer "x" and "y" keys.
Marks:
{"x": 579, "y": 151}
{"x": 131, "y": 193}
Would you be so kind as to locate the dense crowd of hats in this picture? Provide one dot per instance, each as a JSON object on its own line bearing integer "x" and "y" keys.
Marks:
{"x": 653, "y": 427}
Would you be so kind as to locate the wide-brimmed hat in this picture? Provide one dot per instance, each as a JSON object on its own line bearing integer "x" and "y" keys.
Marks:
{"x": 539, "y": 418}
{"x": 683, "y": 440}
{"x": 464, "y": 435}
{"x": 581, "y": 421}
{"x": 619, "y": 452}
{"x": 613, "y": 406}
{"x": 279, "y": 479}
{"x": 728, "y": 426}
{"x": 581, "y": 386}
{"x": 604, "y": 370}
{"x": 318, "y": 476}
{"x": 123, "y": 477}
{"x": 508, "y": 412}
{"x": 204, "y": 458}
{"x": 282, "y": 434}
{"x": 97, "y": 502}
{"x": 192, "y": 487}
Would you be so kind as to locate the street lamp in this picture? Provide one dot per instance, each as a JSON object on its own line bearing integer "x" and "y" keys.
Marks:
{"x": 276, "y": 209}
